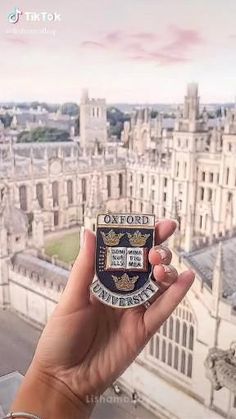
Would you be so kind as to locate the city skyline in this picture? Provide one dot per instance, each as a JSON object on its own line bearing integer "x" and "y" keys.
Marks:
{"x": 137, "y": 51}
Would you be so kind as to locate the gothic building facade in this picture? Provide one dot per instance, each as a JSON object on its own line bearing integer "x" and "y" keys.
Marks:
{"x": 186, "y": 171}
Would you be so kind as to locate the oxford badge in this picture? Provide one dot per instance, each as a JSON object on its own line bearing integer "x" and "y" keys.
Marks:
{"x": 123, "y": 272}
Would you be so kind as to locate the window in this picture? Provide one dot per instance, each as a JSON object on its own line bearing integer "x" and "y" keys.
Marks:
{"x": 23, "y": 198}
{"x": 209, "y": 194}
{"x": 184, "y": 336}
{"x": 177, "y": 169}
{"x": 203, "y": 176}
{"x": 120, "y": 186}
{"x": 173, "y": 344}
{"x": 183, "y": 360}
{"x": 176, "y": 358}
{"x": 164, "y": 196}
{"x": 200, "y": 221}
{"x": 131, "y": 206}
{"x": 230, "y": 196}
{"x": 39, "y": 194}
{"x": 84, "y": 189}
{"x": 55, "y": 197}
{"x": 153, "y": 180}
{"x": 177, "y": 330}
{"x": 142, "y": 178}
{"x": 131, "y": 191}
{"x": 185, "y": 169}
{"x": 109, "y": 186}
{"x": 165, "y": 181}
{"x": 153, "y": 195}
{"x": 70, "y": 192}
{"x": 56, "y": 218}
{"x": 141, "y": 207}
{"x": 227, "y": 176}
{"x": 141, "y": 192}
{"x": 201, "y": 194}
{"x": 211, "y": 177}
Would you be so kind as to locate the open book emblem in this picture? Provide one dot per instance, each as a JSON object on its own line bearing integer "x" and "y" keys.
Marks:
{"x": 123, "y": 273}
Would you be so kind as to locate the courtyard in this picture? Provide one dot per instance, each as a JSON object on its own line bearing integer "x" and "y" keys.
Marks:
{"x": 63, "y": 246}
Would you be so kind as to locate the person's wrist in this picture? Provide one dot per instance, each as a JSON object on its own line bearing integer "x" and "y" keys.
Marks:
{"x": 49, "y": 398}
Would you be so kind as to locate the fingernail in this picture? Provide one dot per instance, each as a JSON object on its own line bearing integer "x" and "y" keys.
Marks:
{"x": 170, "y": 270}
{"x": 162, "y": 252}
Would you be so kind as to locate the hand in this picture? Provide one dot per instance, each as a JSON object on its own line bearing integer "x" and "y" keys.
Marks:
{"x": 86, "y": 345}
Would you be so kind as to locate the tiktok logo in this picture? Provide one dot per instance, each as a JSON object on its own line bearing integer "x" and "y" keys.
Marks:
{"x": 14, "y": 16}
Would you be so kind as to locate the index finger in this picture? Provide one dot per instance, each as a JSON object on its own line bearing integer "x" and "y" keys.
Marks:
{"x": 164, "y": 229}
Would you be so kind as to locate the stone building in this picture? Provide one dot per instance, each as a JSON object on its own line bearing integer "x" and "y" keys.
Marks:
{"x": 93, "y": 122}
{"x": 186, "y": 171}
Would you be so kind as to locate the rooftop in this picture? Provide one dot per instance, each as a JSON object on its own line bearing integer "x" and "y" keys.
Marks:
{"x": 39, "y": 268}
{"x": 204, "y": 259}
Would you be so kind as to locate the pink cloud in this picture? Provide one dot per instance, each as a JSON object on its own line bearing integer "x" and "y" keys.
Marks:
{"x": 145, "y": 36}
{"x": 115, "y": 36}
{"x": 172, "y": 48}
{"x": 183, "y": 39}
{"x": 92, "y": 44}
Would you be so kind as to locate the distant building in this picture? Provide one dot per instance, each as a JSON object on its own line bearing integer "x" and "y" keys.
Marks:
{"x": 93, "y": 122}
{"x": 186, "y": 171}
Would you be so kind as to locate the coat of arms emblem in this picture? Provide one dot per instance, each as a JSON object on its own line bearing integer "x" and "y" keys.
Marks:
{"x": 123, "y": 273}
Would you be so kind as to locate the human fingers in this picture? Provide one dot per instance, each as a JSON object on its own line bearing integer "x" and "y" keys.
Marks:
{"x": 164, "y": 229}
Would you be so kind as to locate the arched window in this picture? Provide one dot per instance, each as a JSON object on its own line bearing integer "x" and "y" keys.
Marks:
{"x": 163, "y": 354}
{"x": 177, "y": 330}
{"x": 120, "y": 184}
{"x": 164, "y": 328}
{"x": 171, "y": 327}
{"x": 55, "y": 194}
{"x": 176, "y": 358}
{"x": 174, "y": 341}
{"x": 183, "y": 361}
{"x": 191, "y": 337}
{"x": 70, "y": 192}
{"x": 169, "y": 361}
{"x": 190, "y": 365}
{"x": 184, "y": 336}
{"x": 108, "y": 186}
{"x": 152, "y": 346}
{"x": 39, "y": 194}
{"x": 84, "y": 189}
{"x": 23, "y": 197}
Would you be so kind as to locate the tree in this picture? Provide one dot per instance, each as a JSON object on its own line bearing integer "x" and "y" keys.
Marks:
{"x": 70, "y": 108}
{"x": 43, "y": 134}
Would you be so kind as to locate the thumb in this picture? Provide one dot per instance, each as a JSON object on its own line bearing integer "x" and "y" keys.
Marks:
{"x": 76, "y": 293}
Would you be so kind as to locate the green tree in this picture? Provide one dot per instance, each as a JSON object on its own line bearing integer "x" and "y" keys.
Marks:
{"x": 43, "y": 134}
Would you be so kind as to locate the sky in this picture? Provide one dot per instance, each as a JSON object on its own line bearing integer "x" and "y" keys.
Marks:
{"x": 135, "y": 51}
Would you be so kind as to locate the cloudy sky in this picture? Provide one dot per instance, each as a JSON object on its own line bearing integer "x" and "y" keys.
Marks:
{"x": 124, "y": 50}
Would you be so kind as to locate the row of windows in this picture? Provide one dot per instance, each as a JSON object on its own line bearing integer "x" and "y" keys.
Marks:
{"x": 55, "y": 194}
{"x": 153, "y": 181}
{"x": 172, "y": 355}
{"x": 174, "y": 342}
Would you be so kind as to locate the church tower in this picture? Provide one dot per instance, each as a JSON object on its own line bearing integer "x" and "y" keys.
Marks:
{"x": 93, "y": 122}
